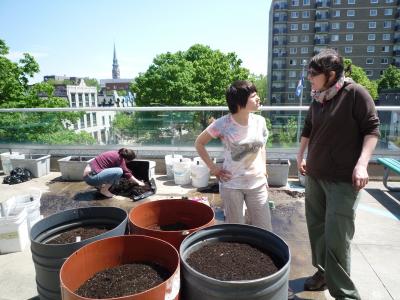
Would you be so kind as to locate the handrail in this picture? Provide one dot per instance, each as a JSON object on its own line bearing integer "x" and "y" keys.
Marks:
{"x": 167, "y": 108}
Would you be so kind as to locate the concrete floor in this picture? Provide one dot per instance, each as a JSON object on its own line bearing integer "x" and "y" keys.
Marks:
{"x": 375, "y": 249}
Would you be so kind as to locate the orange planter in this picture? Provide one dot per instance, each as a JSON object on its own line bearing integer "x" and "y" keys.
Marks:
{"x": 195, "y": 215}
{"x": 115, "y": 251}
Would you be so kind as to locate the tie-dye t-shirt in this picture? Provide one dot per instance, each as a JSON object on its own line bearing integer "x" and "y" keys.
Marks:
{"x": 242, "y": 150}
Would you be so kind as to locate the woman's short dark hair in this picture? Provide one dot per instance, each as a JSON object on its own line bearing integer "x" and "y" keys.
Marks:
{"x": 326, "y": 61}
{"x": 127, "y": 154}
{"x": 237, "y": 94}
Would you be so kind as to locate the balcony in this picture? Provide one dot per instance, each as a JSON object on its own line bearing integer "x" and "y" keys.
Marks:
{"x": 279, "y": 54}
{"x": 280, "y": 6}
{"x": 321, "y": 41}
{"x": 396, "y": 52}
{"x": 319, "y": 16}
{"x": 320, "y": 4}
{"x": 321, "y": 28}
{"x": 280, "y": 19}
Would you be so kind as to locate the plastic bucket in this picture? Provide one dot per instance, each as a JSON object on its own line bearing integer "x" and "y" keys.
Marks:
{"x": 199, "y": 160}
{"x": 146, "y": 217}
{"x": 115, "y": 251}
{"x": 6, "y": 160}
{"x": 197, "y": 286}
{"x": 169, "y": 161}
{"x": 30, "y": 201}
{"x": 181, "y": 170}
{"x": 200, "y": 175}
{"x": 14, "y": 231}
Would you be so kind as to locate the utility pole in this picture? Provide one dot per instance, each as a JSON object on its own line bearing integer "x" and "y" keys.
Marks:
{"x": 304, "y": 62}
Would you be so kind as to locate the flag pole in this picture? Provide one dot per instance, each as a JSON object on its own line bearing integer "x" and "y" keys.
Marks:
{"x": 304, "y": 62}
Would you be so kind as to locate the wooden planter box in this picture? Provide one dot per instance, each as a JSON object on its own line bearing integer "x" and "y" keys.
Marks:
{"x": 72, "y": 167}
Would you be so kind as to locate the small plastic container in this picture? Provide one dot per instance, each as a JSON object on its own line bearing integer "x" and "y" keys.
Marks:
{"x": 14, "y": 231}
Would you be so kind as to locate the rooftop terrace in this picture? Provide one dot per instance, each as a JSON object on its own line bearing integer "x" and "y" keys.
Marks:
{"x": 375, "y": 249}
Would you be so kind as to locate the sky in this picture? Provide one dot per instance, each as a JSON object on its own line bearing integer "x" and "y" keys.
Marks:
{"x": 76, "y": 37}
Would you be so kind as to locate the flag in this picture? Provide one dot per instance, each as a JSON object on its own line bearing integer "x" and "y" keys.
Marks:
{"x": 300, "y": 86}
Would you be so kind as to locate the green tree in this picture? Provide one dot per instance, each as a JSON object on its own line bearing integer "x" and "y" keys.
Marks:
{"x": 196, "y": 77}
{"x": 260, "y": 81}
{"x": 358, "y": 75}
{"x": 390, "y": 79}
{"x": 32, "y": 127}
{"x": 14, "y": 77}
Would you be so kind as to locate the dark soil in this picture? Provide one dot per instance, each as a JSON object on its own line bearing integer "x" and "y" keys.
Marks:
{"x": 80, "y": 158}
{"x": 123, "y": 280}
{"x": 129, "y": 189}
{"x": 230, "y": 261}
{"x": 84, "y": 232}
{"x": 170, "y": 227}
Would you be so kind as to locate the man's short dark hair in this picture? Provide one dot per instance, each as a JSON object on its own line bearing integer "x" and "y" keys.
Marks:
{"x": 237, "y": 94}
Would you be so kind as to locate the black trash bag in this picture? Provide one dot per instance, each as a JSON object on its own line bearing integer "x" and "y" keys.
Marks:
{"x": 133, "y": 190}
{"x": 18, "y": 175}
{"x": 212, "y": 188}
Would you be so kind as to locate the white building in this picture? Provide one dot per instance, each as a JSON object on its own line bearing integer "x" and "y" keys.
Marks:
{"x": 97, "y": 123}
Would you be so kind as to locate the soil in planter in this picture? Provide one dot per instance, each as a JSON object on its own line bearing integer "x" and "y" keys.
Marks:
{"x": 170, "y": 227}
{"x": 228, "y": 261}
{"x": 123, "y": 280}
{"x": 84, "y": 232}
{"x": 129, "y": 189}
{"x": 79, "y": 158}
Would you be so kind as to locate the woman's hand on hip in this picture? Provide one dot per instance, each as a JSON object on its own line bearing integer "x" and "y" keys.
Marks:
{"x": 221, "y": 174}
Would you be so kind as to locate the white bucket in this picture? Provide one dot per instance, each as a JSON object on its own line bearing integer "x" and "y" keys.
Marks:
{"x": 6, "y": 160}
{"x": 169, "y": 162}
{"x": 198, "y": 159}
{"x": 30, "y": 201}
{"x": 14, "y": 234}
{"x": 200, "y": 175}
{"x": 181, "y": 170}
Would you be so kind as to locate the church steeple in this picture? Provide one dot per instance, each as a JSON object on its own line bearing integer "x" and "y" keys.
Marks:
{"x": 115, "y": 69}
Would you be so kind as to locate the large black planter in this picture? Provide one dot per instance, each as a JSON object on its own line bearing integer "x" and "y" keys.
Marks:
{"x": 48, "y": 258}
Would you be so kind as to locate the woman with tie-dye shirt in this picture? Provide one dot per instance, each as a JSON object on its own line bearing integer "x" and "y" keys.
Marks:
{"x": 243, "y": 174}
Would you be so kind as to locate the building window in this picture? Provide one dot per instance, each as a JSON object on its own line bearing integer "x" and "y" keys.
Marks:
{"x": 351, "y": 13}
{"x": 385, "y": 48}
{"x": 384, "y": 61}
{"x": 348, "y": 49}
{"x": 388, "y": 11}
{"x": 371, "y": 24}
{"x": 306, "y": 2}
{"x": 83, "y": 122}
{"x": 87, "y": 100}
{"x": 293, "y": 62}
{"x": 295, "y": 2}
{"x": 371, "y": 37}
{"x": 334, "y": 37}
{"x": 389, "y": 1}
{"x": 291, "y": 97}
{"x": 351, "y": 1}
{"x": 103, "y": 120}
{"x": 373, "y": 12}
{"x": 305, "y": 26}
{"x": 306, "y": 14}
{"x": 374, "y": 1}
{"x": 292, "y": 50}
{"x": 387, "y": 24}
{"x": 369, "y": 73}
{"x": 336, "y": 2}
{"x": 292, "y": 84}
{"x": 336, "y": 13}
{"x": 88, "y": 120}
{"x": 371, "y": 49}
{"x": 305, "y": 38}
{"x": 386, "y": 37}
{"x": 73, "y": 100}
{"x": 304, "y": 50}
{"x": 293, "y": 39}
{"x": 294, "y": 14}
{"x": 294, "y": 27}
{"x": 335, "y": 26}
{"x": 80, "y": 100}
{"x": 349, "y": 37}
{"x": 292, "y": 74}
{"x": 94, "y": 118}
{"x": 369, "y": 61}
{"x": 350, "y": 25}
{"x": 93, "y": 96}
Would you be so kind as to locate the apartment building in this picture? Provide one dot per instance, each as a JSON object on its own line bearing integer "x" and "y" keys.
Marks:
{"x": 366, "y": 31}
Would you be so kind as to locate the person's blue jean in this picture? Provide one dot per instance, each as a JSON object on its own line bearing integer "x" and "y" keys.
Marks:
{"x": 107, "y": 176}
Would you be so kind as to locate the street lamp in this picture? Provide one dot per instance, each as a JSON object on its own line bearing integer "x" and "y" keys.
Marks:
{"x": 303, "y": 63}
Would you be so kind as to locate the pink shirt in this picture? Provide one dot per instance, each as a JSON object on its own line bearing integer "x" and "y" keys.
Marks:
{"x": 110, "y": 159}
